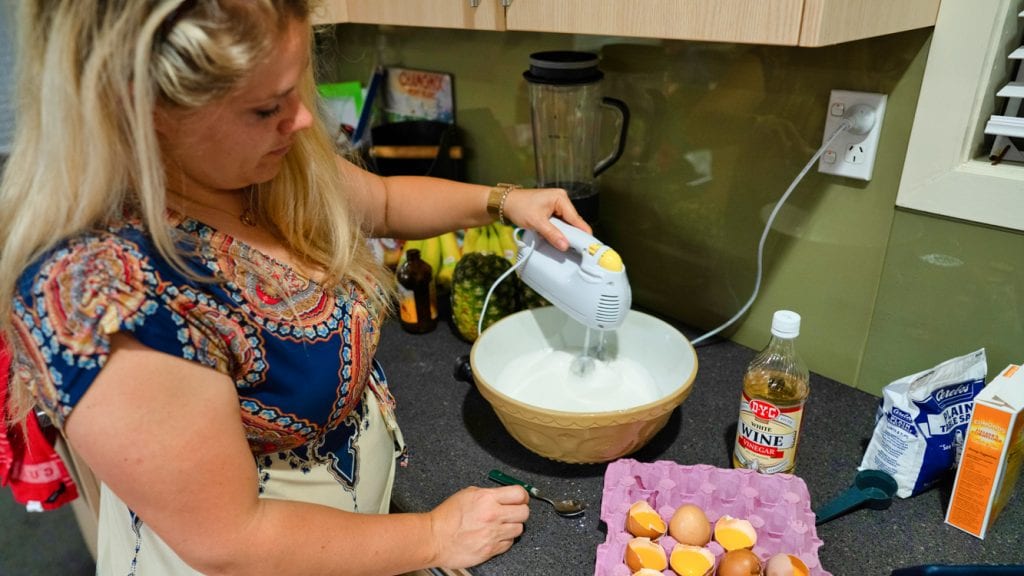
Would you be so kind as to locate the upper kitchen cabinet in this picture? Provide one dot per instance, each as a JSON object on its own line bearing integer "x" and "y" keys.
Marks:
{"x": 331, "y": 12}
{"x": 782, "y": 22}
{"x": 747, "y": 21}
{"x": 465, "y": 14}
{"x": 827, "y": 22}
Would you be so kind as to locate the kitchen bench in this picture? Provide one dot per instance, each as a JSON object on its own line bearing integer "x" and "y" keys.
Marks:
{"x": 455, "y": 439}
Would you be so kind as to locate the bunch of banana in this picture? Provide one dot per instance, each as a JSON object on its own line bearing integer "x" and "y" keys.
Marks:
{"x": 450, "y": 255}
{"x": 443, "y": 252}
{"x": 491, "y": 239}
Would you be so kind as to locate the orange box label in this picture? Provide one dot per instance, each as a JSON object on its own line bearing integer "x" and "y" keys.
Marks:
{"x": 979, "y": 468}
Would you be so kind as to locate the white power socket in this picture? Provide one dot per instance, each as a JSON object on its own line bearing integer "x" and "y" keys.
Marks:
{"x": 852, "y": 153}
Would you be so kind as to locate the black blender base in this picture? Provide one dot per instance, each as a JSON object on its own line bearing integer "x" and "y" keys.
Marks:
{"x": 588, "y": 208}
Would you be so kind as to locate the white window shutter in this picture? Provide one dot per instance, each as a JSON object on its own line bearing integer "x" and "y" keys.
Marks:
{"x": 1008, "y": 128}
{"x": 6, "y": 77}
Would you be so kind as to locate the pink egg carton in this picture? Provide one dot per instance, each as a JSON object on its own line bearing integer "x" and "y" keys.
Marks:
{"x": 777, "y": 505}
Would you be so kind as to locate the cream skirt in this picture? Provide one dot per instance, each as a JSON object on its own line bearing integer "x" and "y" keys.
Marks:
{"x": 127, "y": 546}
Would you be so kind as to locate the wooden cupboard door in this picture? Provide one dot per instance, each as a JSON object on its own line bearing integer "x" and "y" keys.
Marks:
{"x": 330, "y": 12}
{"x": 781, "y": 22}
{"x": 834, "y": 21}
{"x": 486, "y": 15}
{"x": 746, "y": 21}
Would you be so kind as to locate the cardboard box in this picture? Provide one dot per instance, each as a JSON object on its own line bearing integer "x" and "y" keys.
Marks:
{"x": 419, "y": 95}
{"x": 993, "y": 450}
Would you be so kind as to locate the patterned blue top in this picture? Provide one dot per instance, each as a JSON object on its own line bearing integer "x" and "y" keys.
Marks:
{"x": 300, "y": 356}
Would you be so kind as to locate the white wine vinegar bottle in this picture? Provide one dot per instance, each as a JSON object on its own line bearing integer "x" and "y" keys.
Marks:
{"x": 775, "y": 388}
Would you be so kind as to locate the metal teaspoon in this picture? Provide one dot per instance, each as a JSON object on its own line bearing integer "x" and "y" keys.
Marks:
{"x": 567, "y": 508}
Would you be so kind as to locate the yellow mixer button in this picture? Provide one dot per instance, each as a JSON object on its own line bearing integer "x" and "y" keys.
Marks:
{"x": 610, "y": 260}
{"x": 593, "y": 248}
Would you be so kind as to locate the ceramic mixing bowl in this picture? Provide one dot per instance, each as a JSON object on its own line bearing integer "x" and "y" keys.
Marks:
{"x": 577, "y": 434}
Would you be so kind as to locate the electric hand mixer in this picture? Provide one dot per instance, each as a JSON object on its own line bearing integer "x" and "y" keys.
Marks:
{"x": 588, "y": 281}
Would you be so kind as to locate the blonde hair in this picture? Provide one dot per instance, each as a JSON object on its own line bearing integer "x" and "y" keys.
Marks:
{"x": 85, "y": 148}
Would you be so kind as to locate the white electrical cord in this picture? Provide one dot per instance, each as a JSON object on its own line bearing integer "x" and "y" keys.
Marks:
{"x": 859, "y": 120}
{"x": 519, "y": 262}
{"x": 856, "y": 123}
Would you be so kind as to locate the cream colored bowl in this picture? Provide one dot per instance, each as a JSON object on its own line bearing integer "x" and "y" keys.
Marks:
{"x": 570, "y": 435}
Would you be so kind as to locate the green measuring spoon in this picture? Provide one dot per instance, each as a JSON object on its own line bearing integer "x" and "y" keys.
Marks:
{"x": 566, "y": 508}
{"x": 871, "y": 488}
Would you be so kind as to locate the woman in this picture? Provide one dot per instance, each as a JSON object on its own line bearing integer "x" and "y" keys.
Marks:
{"x": 188, "y": 294}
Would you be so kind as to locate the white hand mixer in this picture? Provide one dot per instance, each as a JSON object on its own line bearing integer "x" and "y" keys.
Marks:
{"x": 588, "y": 281}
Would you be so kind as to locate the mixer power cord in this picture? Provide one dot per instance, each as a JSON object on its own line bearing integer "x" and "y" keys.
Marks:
{"x": 519, "y": 262}
{"x": 859, "y": 121}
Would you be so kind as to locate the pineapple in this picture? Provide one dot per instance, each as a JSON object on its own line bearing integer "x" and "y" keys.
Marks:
{"x": 528, "y": 297}
{"x": 473, "y": 277}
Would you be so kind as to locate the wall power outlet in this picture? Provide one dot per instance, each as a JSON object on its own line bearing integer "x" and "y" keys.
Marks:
{"x": 852, "y": 153}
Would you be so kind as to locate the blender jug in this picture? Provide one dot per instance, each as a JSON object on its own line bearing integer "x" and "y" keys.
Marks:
{"x": 565, "y": 107}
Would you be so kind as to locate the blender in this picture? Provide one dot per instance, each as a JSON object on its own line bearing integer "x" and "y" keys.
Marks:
{"x": 566, "y": 102}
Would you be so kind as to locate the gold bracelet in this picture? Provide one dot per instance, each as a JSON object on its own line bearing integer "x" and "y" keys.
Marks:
{"x": 496, "y": 200}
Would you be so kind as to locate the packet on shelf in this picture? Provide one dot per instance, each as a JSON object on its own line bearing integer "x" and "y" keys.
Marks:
{"x": 777, "y": 507}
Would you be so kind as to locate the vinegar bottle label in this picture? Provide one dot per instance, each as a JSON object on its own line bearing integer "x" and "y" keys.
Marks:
{"x": 766, "y": 435}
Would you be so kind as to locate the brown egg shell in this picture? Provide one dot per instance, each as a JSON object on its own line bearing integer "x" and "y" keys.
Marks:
{"x": 741, "y": 562}
{"x": 690, "y": 525}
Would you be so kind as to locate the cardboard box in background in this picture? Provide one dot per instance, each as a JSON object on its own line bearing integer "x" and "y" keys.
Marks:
{"x": 343, "y": 104}
{"x": 418, "y": 95}
{"x": 992, "y": 455}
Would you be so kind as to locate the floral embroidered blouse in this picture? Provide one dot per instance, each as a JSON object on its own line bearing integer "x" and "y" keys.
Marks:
{"x": 300, "y": 356}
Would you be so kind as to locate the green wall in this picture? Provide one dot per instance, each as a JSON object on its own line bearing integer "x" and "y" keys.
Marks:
{"x": 947, "y": 288}
{"x": 719, "y": 132}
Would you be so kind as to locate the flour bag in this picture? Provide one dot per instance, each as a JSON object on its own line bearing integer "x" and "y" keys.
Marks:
{"x": 922, "y": 420}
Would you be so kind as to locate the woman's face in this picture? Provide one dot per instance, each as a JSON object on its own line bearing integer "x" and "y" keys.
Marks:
{"x": 240, "y": 139}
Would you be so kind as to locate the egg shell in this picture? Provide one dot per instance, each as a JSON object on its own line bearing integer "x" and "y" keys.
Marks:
{"x": 735, "y": 533}
{"x": 785, "y": 565}
{"x": 643, "y": 520}
{"x": 689, "y": 525}
{"x": 691, "y": 560}
{"x": 648, "y": 572}
{"x": 642, "y": 553}
{"x": 741, "y": 562}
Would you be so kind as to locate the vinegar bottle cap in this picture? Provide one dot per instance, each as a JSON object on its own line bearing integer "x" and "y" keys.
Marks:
{"x": 786, "y": 324}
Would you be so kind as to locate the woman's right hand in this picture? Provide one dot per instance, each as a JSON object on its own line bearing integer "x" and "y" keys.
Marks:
{"x": 475, "y": 524}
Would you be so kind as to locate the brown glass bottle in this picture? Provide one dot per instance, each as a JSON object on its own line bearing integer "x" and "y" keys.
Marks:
{"x": 417, "y": 300}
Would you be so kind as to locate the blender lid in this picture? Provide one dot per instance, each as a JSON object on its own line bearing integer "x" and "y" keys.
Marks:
{"x": 563, "y": 67}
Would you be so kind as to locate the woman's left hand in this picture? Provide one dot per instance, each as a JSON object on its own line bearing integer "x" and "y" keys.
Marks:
{"x": 533, "y": 207}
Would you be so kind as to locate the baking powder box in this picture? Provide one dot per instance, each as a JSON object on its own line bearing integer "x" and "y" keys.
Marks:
{"x": 993, "y": 450}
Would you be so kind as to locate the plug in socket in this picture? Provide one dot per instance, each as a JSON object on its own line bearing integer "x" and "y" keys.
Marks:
{"x": 852, "y": 153}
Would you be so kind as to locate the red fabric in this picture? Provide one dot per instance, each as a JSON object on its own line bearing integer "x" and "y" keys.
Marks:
{"x": 28, "y": 462}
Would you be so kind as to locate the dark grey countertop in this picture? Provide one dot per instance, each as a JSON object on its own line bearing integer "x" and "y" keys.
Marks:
{"x": 455, "y": 439}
